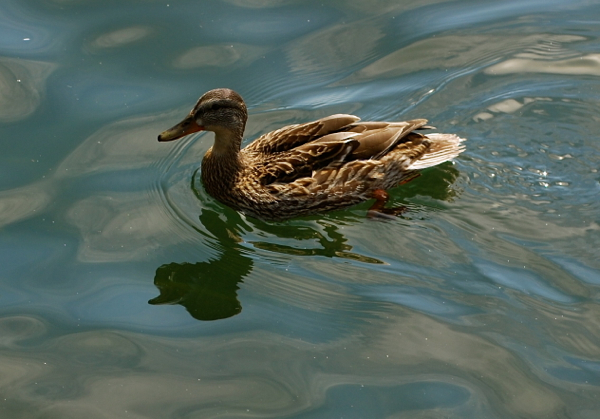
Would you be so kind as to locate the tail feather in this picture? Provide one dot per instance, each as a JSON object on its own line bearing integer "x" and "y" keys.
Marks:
{"x": 444, "y": 147}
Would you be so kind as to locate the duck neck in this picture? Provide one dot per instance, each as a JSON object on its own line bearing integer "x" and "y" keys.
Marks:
{"x": 227, "y": 143}
{"x": 222, "y": 162}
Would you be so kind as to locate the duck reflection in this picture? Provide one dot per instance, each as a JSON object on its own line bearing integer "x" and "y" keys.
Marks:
{"x": 208, "y": 290}
{"x": 434, "y": 183}
{"x": 332, "y": 244}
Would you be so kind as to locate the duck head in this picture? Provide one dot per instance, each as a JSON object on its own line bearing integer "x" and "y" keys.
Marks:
{"x": 221, "y": 111}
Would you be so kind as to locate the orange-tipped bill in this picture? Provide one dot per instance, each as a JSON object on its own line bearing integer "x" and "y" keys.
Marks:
{"x": 185, "y": 127}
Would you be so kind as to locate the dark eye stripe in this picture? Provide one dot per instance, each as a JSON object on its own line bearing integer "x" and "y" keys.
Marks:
{"x": 214, "y": 105}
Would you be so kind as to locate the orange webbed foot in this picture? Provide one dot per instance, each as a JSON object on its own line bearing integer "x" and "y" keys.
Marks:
{"x": 378, "y": 209}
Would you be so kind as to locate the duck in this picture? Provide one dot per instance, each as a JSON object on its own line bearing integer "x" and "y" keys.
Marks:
{"x": 313, "y": 167}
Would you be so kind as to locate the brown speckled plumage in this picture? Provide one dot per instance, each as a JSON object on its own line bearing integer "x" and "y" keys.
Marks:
{"x": 331, "y": 163}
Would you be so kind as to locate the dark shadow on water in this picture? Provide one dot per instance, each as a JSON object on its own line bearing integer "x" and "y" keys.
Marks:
{"x": 208, "y": 290}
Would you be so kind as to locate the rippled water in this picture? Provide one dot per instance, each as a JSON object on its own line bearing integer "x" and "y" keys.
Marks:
{"x": 127, "y": 292}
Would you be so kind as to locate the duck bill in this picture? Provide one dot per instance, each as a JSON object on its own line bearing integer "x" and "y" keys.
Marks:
{"x": 185, "y": 127}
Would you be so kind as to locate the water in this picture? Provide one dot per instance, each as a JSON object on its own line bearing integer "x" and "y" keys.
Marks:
{"x": 481, "y": 301}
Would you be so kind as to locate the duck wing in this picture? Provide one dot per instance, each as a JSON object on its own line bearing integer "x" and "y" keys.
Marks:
{"x": 326, "y": 154}
{"x": 291, "y": 136}
{"x": 304, "y": 160}
{"x": 378, "y": 138}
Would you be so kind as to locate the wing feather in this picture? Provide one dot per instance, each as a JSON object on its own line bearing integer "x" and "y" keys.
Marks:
{"x": 443, "y": 147}
{"x": 304, "y": 160}
{"x": 378, "y": 138}
{"x": 291, "y": 136}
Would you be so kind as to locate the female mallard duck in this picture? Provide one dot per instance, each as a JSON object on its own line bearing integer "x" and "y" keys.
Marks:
{"x": 327, "y": 164}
